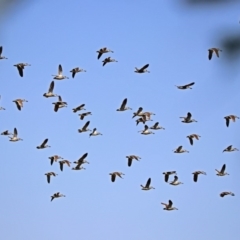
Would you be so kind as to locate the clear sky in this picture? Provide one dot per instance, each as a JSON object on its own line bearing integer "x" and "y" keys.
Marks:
{"x": 174, "y": 40}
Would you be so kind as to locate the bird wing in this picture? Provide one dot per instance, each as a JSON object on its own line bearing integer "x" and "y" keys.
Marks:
{"x": 227, "y": 121}
{"x": 229, "y": 147}
{"x": 104, "y": 63}
{"x": 86, "y": 125}
{"x": 155, "y": 125}
{"x": 15, "y": 133}
{"x": 124, "y": 103}
{"x": 61, "y": 165}
{"x": 20, "y": 70}
{"x": 179, "y": 148}
{"x": 175, "y": 179}
{"x": 166, "y": 177}
{"x": 223, "y": 168}
{"x": 51, "y": 87}
{"x": 216, "y": 51}
{"x": 195, "y": 177}
{"x": 190, "y": 84}
{"x": 1, "y": 50}
{"x": 148, "y": 183}
{"x": 210, "y": 52}
{"x": 170, "y": 203}
{"x": 189, "y": 115}
{"x": 60, "y": 69}
{"x": 59, "y": 98}
{"x": 144, "y": 67}
{"x": 113, "y": 177}
{"x": 129, "y": 162}
{"x": 48, "y": 178}
{"x": 139, "y": 110}
{"x": 232, "y": 117}
{"x": 99, "y": 54}
{"x": 56, "y": 107}
{"x": 145, "y": 127}
{"x": 44, "y": 142}
{"x": 82, "y": 157}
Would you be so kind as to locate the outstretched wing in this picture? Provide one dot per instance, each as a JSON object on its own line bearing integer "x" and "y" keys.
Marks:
{"x": 60, "y": 69}
{"x": 145, "y": 127}
{"x": 99, "y": 54}
{"x": 124, "y": 103}
{"x": 170, "y": 203}
{"x": 113, "y": 177}
{"x": 144, "y": 67}
{"x": 1, "y": 50}
{"x": 190, "y": 84}
{"x": 210, "y": 52}
{"x": 51, "y": 87}
{"x": 223, "y": 168}
{"x": 195, "y": 177}
{"x": 15, "y": 133}
{"x": 179, "y": 148}
{"x": 82, "y": 157}
{"x": 86, "y": 125}
{"x": 44, "y": 142}
{"x": 20, "y": 70}
{"x": 148, "y": 183}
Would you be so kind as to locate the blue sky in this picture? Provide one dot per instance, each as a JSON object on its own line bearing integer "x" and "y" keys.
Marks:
{"x": 174, "y": 40}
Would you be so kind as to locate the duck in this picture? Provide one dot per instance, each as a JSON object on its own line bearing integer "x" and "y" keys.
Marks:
{"x": 222, "y": 194}
{"x": 168, "y": 206}
{"x": 59, "y": 104}
{"x": 188, "y": 119}
{"x": 94, "y": 133}
{"x": 57, "y": 195}
{"x": 230, "y": 149}
{"x": 19, "y": 103}
{"x": 167, "y": 174}
{"x": 187, "y": 86}
{"x": 147, "y": 186}
{"x": 49, "y": 174}
{"x": 230, "y": 117}
{"x": 108, "y": 60}
{"x": 76, "y": 70}
{"x": 43, "y": 145}
{"x": 146, "y": 131}
{"x": 54, "y": 158}
{"x": 83, "y": 115}
{"x": 175, "y": 182}
{"x": 20, "y": 67}
{"x": 142, "y": 69}
{"x": 114, "y": 174}
{"x": 131, "y": 158}
{"x": 222, "y": 171}
{"x": 50, "y": 91}
{"x": 59, "y": 76}
{"x": 213, "y": 50}
{"x": 196, "y": 173}
{"x": 180, "y": 150}
{"x": 156, "y": 126}
{"x": 15, "y": 138}
{"x": 62, "y": 162}
{"x": 79, "y": 108}
{"x": 85, "y": 127}
{"x": 103, "y": 50}
{"x": 1, "y": 57}
{"x": 123, "y": 106}
{"x": 192, "y": 136}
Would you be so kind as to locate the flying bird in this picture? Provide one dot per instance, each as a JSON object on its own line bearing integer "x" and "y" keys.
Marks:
{"x": 20, "y": 67}
{"x": 230, "y": 117}
{"x": 19, "y": 103}
{"x": 43, "y": 145}
{"x": 60, "y": 75}
{"x": 147, "y": 186}
{"x": 167, "y": 174}
{"x": 187, "y": 86}
{"x": 196, "y": 173}
{"x": 79, "y": 108}
{"x": 1, "y": 57}
{"x": 83, "y": 115}
{"x": 57, "y": 195}
{"x": 168, "y": 206}
{"x": 114, "y": 174}
{"x": 15, "y": 138}
{"x": 188, "y": 119}
{"x": 108, "y": 60}
{"x": 103, "y": 50}
{"x": 213, "y": 50}
{"x": 50, "y": 91}
{"x": 49, "y": 174}
{"x": 222, "y": 171}
{"x": 123, "y": 106}
{"x": 143, "y": 69}
{"x": 76, "y": 70}
{"x": 192, "y": 136}
{"x": 131, "y": 158}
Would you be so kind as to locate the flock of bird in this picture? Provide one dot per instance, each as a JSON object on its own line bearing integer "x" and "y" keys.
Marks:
{"x": 143, "y": 117}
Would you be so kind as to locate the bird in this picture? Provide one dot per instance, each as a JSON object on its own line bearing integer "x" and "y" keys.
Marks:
{"x": 108, "y": 60}
{"x": 139, "y": 111}
{"x": 167, "y": 174}
{"x": 82, "y": 160}
{"x": 147, "y": 114}
{"x": 54, "y": 158}
{"x": 142, "y": 69}
{"x": 180, "y": 150}
{"x": 188, "y": 119}
{"x": 175, "y": 182}
{"x": 143, "y": 119}
{"x": 1, "y": 57}
{"x": 49, "y": 174}
{"x": 192, "y": 136}
{"x": 156, "y": 126}
{"x": 230, "y": 149}
{"x": 196, "y": 173}
{"x": 94, "y": 133}
{"x": 82, "y": 115}
{"x": 147, "y": 186}
{"x": 187, "y": 86}
{"x": 103, "y": 50}
{"x": 146, "y": 131}
{"x": 19, "y": 103}
{"x": 2, "y": 108}
{"x": 59, "y": 76}
{"x": 78, "y": 167}
{"x": 76, "y": 70}
{"x": 6, "y": 133}
{"x": 57, "y": 195}
{"x": 79, "y": 108}
{"x": 230, "y": 117}
{"x": 222, "y": 171}
{"x": 43, "y": 145}
{"x": 213, "y": 50}
{"x": 123, "y": 106}
{"x": 85, "y": 127}
{"x": 50, "y": 91}
{"x": 62, "y": 162}
{"x": 59, "y": 104}
{"x": 114, "y": 174}
{"x": 15, "y": 138}
{"x": 20, "y": 67}
{"x": 131, "y": 158}
{"x": 169, "y": 206}
{"x": 222, "y": 194}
